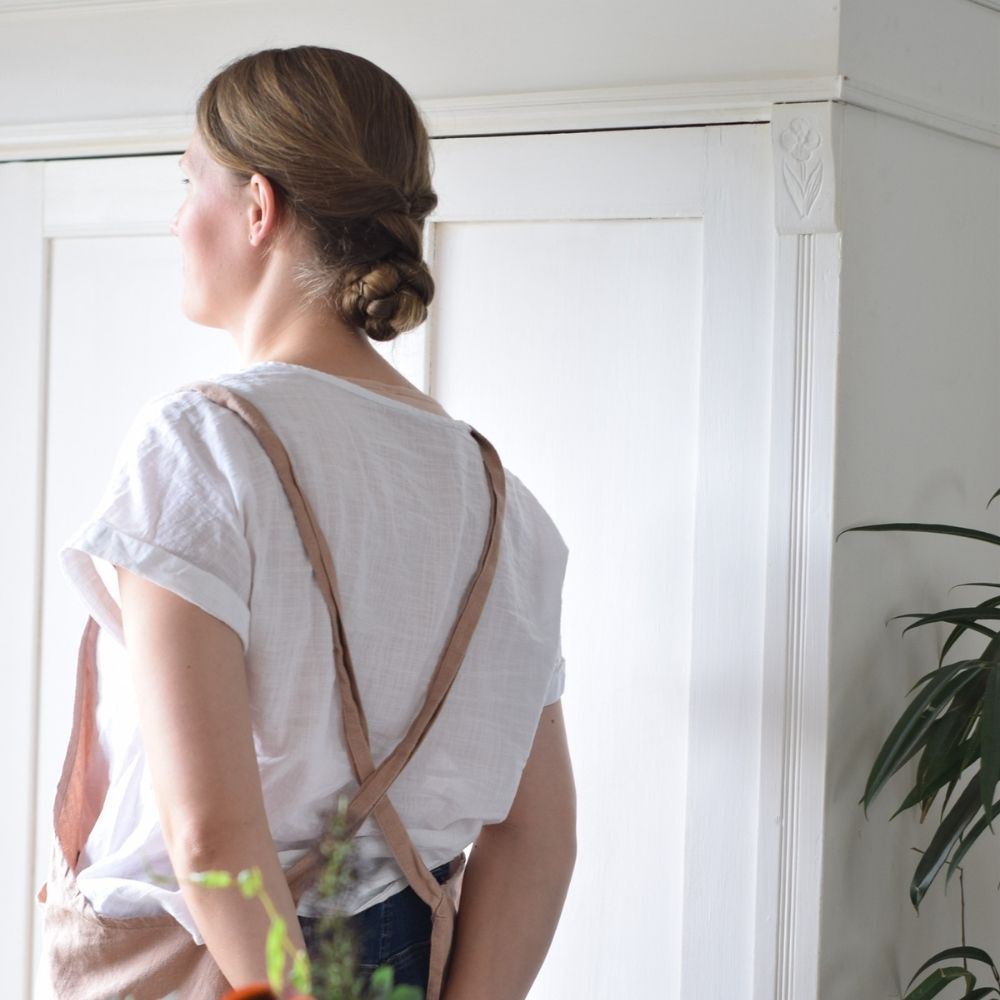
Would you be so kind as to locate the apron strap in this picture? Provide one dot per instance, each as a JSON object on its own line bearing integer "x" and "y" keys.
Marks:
{"x": 374, "y": 782}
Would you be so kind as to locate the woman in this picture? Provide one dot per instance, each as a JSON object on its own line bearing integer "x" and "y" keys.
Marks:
{"x": 219, "y": 722}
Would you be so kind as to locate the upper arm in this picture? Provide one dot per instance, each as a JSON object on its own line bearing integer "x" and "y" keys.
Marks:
{"x": 546, "y": 789}
{"x": 194, "y": 712}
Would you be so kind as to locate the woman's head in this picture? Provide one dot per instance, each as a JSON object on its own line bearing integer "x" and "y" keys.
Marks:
{"x": 349, "y": 159}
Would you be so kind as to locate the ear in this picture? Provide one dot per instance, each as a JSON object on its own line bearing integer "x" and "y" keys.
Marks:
{"x": 262, "y": 211}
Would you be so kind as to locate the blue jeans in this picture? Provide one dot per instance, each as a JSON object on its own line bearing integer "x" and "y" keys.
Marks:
{"x": 395, "y": 932}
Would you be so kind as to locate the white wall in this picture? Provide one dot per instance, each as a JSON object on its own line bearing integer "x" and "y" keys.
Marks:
{"x": 73, "y": 66}
{"x": 918, "y": 413}
{"x": 942, "y": 54}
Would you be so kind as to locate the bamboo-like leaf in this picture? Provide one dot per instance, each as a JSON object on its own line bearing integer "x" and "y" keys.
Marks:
{"x": 960, "y": 630}
{"x": 965, "y": 617}
{"x": 943, "y": 768}
{"x": 969, "y": 838}
{"x": 989, "y": 738}
{"x": 992, "y": 498}
{"x": 935, "y": 529}
{"x": 961, "y": 951}
{"x": 939, "y": 980}
{"x": 947, "y": 751}
{"x": 944, "y": 839}
{"x": 968, "y": 754}
{"x": 980, "y": 994}
{"x": 911, "y": 728}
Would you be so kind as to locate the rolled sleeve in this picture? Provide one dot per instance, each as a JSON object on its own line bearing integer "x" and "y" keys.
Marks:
{"x": 169, "y": 514}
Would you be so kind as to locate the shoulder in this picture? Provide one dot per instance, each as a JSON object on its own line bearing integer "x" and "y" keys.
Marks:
{"x": 527, "y": 516}
{"x": 183, "y": 434}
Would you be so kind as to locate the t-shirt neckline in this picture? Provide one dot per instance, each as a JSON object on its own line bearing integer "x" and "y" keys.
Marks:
{"x": 360, "y": 387}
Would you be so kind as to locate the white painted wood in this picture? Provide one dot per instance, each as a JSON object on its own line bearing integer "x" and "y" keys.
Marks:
{"x": 617, "y": 474}
{"x": 612, "y": 108}
{"x": 624, "y": 286}
{"x": 805, "y": 186}
{"x": 647, "y": 177}
{"x": 796, "y": 649}
{"x": 730, "y": 551}
{"x": 22, "y": 417}
{"x": 870, "y": 96}
{"x": 796, "y": 657}
{"x": 546, "y": 111}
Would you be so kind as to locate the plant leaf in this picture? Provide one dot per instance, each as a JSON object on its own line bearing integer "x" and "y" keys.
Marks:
{"x": 939, "y": 980}
{"x": 913, "y": 725}
{"x": 964, "y": 617}
{"x": 936, "y": 529}
{"x": 962, "y": 951}
{"x": 405, "y": 992}
{"x": 992, "y": 498}
{"x": 212, "y": 879}
{"x": 959, "y": 630}
{"x": 943, "y": 769}
{"x": 968, "y": 839}
{"x": 274, "y": 949}
{"x": 944, "y": 839}
{"x": 301, "y": 975}
{"x": 251, "y": 881}
{"x": 990, "y": 741}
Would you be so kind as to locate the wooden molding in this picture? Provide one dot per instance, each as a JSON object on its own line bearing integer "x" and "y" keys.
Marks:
{"x": 700, "y": 103}
{"x": 547, "y": 111}
{"x": 797, "y": 660}
{"x": 802, "y": 137}
{"x": 919, "y": 111}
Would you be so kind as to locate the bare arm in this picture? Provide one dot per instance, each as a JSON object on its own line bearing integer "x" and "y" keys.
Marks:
{"x": 194, "y": 715}
{"x": 517, "y": 878}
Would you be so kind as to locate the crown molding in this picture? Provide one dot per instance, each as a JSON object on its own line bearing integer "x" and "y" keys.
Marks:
{"x": 921, "y": 112}
{"x": 686, "y": 103}
{"x": 546, "y": 111}
{"x": 658, "y": 106}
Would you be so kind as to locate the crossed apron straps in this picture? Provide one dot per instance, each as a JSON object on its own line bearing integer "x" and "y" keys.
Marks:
{"x": 374, "y": 781}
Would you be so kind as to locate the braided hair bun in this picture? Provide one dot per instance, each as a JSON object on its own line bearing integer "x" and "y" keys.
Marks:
{"x": 349, "y": 159}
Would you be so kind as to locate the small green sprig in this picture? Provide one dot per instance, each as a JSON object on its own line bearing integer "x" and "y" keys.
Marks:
{"x": 279, "y": 947}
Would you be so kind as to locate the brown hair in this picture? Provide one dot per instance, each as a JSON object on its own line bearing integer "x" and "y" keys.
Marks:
{"x": 348, "y": 155}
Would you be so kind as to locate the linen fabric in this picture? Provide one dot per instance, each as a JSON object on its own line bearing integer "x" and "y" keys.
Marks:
{"x": 194, "y": 505}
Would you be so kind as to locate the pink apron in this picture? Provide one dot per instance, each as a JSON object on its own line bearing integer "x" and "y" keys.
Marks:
{"x": 94, "y": 957}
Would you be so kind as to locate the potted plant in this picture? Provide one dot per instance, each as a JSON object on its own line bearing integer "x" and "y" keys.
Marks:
{"x": 951, "y": 725}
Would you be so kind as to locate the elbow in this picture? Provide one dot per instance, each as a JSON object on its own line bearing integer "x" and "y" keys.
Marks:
{"x": 197, "y": 844}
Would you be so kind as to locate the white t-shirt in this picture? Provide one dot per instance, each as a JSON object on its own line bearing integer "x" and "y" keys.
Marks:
{"x": 401, "y": 495}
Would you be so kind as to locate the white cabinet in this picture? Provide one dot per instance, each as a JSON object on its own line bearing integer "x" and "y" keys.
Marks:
{"x": 604, "y": 315}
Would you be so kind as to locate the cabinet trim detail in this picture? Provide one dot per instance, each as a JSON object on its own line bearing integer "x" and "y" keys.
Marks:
{"x": 662, "y": 105}
{"x": 794, "y": 722}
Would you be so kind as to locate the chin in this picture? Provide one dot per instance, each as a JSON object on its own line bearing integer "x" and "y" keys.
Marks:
{"x": 200, "y": 314}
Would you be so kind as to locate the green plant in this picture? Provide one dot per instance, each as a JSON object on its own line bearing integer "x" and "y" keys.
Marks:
{"x": 953, "y": 723}
{"x": 334, "y": 976}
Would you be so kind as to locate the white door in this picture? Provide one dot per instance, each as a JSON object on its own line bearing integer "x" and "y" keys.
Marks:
{"x": 603, "y": 315}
